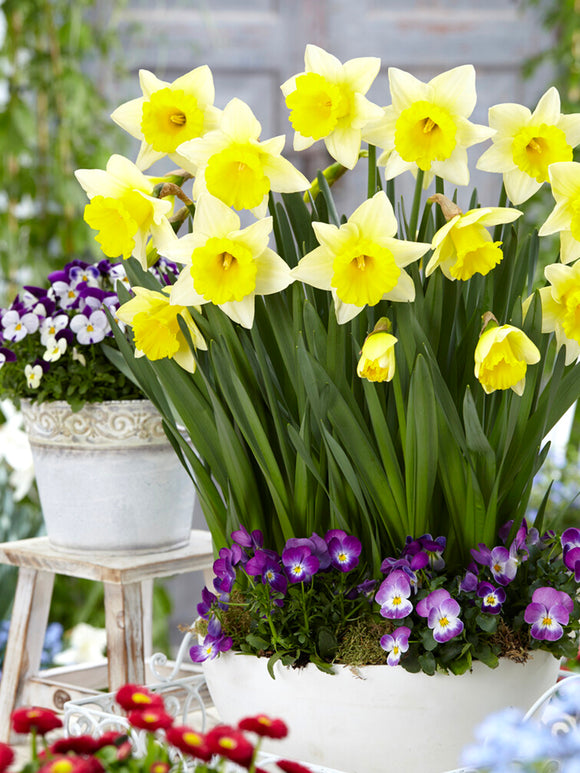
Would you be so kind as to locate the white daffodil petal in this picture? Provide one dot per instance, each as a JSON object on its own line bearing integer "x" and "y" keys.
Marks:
{"x": 508, "y": 117}
{"x": 344, "y": 145}
{"x": 565, "y": 179}
{"x": 345, "y": 311}
{"x": 125, "y": 170}
{"x": 407, "y": 252}
{"x": 213, "y": 217}
{"x": 129, "y": 115}
{"x": 318, "y": 60}
{"x": 403, "y": 291}
{"x": 548, "y": 108}
{"x": 405, "y": 89}
{"x": 569, "y": 247}
{"x": 497, "y": 158}
{"x": 273, "y": 273}
{"x": 150, "y": 83}
{"x": 455, "y": 169}
{"x": 239, "y": 122}
{"x": 255, "y": 236}
{"x": 498, "y": 215}
{"x": 199, "y": 82}
{"x": 375, "y": 217}
{"x": 570, "y": 125}
{"x": 283, "y": 176}
{"x": 315, "y": 268}
{"x": 455, "y": 89}
{"x": 302, "y": 143}
{"x": 147, "y": 156}
{"x": 558, "y": 220}
{"x": 183, "y": 292}
{"x": 97, "y": 182}
{"x": 520, "y": 186}
{"x": 361, "y": 72}
{"x": 241, "y": 312}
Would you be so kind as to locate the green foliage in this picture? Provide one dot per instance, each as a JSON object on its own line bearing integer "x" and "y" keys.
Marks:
{"x": 53, "y": 122}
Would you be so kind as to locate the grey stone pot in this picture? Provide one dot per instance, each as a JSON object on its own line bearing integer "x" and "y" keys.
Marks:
{"x": 108, "y": 478}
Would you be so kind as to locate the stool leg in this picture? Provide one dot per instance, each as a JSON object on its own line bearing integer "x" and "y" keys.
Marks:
{"x": 25, "y": 640}
{"x": 124, "y": 622}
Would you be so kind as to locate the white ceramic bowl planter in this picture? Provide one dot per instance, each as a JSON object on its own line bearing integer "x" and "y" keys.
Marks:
{"x": 108, "y": 478}
{"x": 375, "y": 719}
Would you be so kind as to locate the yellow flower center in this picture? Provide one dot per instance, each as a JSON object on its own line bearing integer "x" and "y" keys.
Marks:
{"x": 223, "y": 270}
{"x": 534, "y": 148}
{"x": 169, "y": 118}
{"x": 364, "y": 272}
{"x": 547, "y": 621}
{"x": 62, "y": 766}
{"x": 396, "y": 601}
{"x": 139, "y": 697}
{"x": 395, "y": 650}
{"x": 317, "y": 105}
{"x": 117, "y": 221}
{"x": 227, "y": 743}
{"x": 157, "y": 329}
{"x": 570, "y": 300}
{"x": 443, "y": 622}
{"x": 193, "y": 739}
{"x": 424, "y": 133}
{"x": 489, "y": 600}
{"x": 476, "y": 253}
{"x": 501, "y": 369}
{"x": 236, "y": 176}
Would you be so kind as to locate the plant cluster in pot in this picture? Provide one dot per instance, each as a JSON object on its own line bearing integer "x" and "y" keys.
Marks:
{"x": 104, "y": 467}
{"x": 370, "y": 400}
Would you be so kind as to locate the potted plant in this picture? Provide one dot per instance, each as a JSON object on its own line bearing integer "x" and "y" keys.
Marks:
{"x": 88, "y": 423}
{"x": 372, "y": 393}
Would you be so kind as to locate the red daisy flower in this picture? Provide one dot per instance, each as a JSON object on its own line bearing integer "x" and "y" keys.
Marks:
{"x": 231, "y": 744}
{"x": 264, "y": 726}
{"x": 69, "y": 764}
{"x": 292, "y": 767}
{"x": 189, "y": 742}
{"x": 6, "y": 756}
{"x": 133, "y": 696}
{"x": 43, "y": 720}
{"x": 111, "y": 738}
{"x": 79, "y": 744}
{"x": 150, "y": 718}
{"x": 160, "y": 767}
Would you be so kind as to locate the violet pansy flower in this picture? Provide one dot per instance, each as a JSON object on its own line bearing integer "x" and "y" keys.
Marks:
{"x": 245, "y": 539}
{"x": 393, "y": 596}
{"x": 300, "y": 564}
{"x": 442, "y": 613}
{"x": 501, "y": 563}
{"x": 396, "y": 644}
{"x": 570, "y": 540}
{"x": 214, "y": 643}
{"x": 344, "y": 551}
{"x": 266, "y": 564}
{"x": 492, "y": 598}
{"x": 547, "y": 613}
{"x": 317, "y": 546}
{"x": 224, "y": 568}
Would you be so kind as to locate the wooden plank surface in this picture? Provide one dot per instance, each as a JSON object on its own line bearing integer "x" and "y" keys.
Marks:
{"x": 39, "y": 554}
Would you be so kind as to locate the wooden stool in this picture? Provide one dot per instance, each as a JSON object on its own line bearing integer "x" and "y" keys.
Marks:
{"x": 128, "y": 587}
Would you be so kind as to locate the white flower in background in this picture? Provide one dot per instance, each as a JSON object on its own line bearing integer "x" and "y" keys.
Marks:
{"x": 54, "y": 349}
{"x": 15, "y": 451}
{"x": 87, "y": 645}
{"x": 33, "y": 375}
{"x": 91, "y": 329}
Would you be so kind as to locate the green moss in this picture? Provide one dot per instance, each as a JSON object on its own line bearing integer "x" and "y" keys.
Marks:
{"x": 359, "y": 642}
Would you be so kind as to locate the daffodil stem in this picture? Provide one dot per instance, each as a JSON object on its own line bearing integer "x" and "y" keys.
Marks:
{"x": 414, "y": 219}
{"x": 372, "y": 172}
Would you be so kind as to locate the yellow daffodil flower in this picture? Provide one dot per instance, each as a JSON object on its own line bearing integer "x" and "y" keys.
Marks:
{"x": 502, "y": 356}
{"x": 169, "y": 113}
{"x": 224, "y": 264}
{"x": 156, "y": 328}
{"x": 464, "y": 247}
{"x": 561, "y": 307}
{"x": 361, "y": 262}
{"x": 235, "y": 167}
{"x": 377, "y": 360}
{"x": 327, "y": 101}
{"x": 565, "y": 217}
{"x": 426, "y": 126}
{"x": 526, "y": 143}
{"x": 122, "y": 208}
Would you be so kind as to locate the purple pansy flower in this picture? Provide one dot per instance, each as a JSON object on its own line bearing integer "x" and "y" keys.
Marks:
{"x": 548, "y": 611}
{"x": 266, "y": 564}
{"x": 492, "y": 598}
{"x": 469, "y": 581}
{"x": 396, "y": 644}
{"x": 442, "y": 613}
{"x": 224, "y": 568}
{"x": 570, "y": 540}
{"x": 317, "y": 546}
{"x": 245, "y": 539}
{"x": 6, "y": 355}
{"x": 393, "y": 595}
{"x": 214, "y": 643}
{"x": 208, "y": 599}
{"x": 300, "y": 564}
{"x": 344, "y": 551}
{"x": 501, "y": 563}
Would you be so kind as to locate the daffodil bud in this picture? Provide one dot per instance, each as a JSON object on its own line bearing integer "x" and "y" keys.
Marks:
{"x": 377, "y": 360}
{"x": 502, "y": 356}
